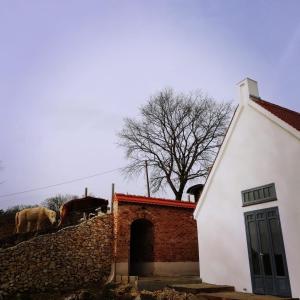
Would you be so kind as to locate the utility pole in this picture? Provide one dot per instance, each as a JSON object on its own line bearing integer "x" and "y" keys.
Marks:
{"x": 112, "y": 192}
{"x": 148, "y": 186}
{"x": 86, "y": 192}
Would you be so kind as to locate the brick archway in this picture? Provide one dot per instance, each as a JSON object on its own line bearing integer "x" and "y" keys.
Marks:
{"x": 141, "y": 247}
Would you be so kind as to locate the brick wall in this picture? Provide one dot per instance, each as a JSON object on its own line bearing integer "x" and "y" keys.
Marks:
{"x": 175, "y": 231}
{"x": 72, "y": 257}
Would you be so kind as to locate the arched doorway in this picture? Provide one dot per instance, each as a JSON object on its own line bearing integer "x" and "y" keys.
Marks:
{"x": 141, "y": 248}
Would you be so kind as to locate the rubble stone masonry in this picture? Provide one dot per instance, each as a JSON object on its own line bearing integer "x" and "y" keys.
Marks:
{"x": 72, "y": 257}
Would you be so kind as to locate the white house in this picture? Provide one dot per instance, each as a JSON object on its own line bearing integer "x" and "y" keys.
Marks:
{"x": 248, "y": 216}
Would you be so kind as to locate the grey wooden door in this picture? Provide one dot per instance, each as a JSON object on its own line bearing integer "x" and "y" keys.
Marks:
{"x": 269, "y": 272}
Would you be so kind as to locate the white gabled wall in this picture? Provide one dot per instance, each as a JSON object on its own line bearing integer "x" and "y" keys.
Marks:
{"x": 257, "y": 152}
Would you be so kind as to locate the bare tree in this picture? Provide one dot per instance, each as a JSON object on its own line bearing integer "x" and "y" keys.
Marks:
{"x": 57, "y": 201}
{"x": 179, "y": 136}
{"x": 15, "y": 208}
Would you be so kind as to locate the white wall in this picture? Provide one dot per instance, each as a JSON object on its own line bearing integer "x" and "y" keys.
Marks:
{"x": 258, "y": 152}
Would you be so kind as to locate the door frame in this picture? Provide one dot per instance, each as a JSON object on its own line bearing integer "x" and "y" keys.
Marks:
{"x": 265, "y": 210}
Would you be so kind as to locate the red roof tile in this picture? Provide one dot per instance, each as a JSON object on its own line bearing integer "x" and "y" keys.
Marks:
{"x": 153, "y": 201}
{"x": 289, "y": 116}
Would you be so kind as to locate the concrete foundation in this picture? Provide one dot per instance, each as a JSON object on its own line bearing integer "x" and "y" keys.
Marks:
{"x": 162, "y": 268}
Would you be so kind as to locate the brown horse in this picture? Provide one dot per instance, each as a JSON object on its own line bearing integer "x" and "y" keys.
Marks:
{"x": 83, "y": 205}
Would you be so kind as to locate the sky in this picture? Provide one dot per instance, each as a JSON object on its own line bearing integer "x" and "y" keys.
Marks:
{"x": 71, "y": 71}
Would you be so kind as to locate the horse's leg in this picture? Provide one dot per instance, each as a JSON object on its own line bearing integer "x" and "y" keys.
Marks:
{"x": 20, "y": 226}
{"x": 28, "y": 226}
{"x": 38, "y": 224}
{"x": 17, "y": 223}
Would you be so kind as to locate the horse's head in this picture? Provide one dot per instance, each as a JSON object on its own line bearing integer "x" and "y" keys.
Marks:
{"x": 62, "y": 214}
{"x": 52, "y": 216}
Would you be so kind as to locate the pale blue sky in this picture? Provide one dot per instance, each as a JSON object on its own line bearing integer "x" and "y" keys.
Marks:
{"x": 70, "y": 71}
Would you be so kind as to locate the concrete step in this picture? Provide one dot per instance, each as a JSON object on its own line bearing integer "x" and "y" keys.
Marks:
{"x": 159, "y": 283}
{"x": 126, "y": 279}
{"x": 196, "y": 288}
{"x": 239, "y": 296}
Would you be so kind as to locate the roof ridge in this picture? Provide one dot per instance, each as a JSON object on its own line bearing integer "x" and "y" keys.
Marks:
{"x": 291, "y": 117}
{"x": 153, "y": 201}
{"x": 273, "y": 104}
{"x": 141, "y": 196}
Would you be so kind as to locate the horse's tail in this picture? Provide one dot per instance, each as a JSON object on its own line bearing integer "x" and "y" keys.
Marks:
{"x": 17, "y": 222}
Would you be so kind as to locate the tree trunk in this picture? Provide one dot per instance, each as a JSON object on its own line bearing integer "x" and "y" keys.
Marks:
{"x": 178, "y": 195}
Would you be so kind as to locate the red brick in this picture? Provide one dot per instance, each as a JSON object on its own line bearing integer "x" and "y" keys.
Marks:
{"x": 175, "y": 231}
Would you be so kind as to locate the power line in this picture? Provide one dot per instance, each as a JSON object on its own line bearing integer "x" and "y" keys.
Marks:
{"x": 61, "y": 183}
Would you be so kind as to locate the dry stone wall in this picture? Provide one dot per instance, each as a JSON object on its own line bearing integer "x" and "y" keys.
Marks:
{"x": 72, "y": 257}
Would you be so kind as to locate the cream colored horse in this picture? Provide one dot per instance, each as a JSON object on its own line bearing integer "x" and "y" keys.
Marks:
{"x": 34, "y": 215}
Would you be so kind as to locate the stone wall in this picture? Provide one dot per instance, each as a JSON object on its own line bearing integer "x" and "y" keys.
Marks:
{"x": 72, "y": 257}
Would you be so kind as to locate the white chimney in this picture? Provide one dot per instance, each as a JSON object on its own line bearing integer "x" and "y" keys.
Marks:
{"x": 246, "y": 88}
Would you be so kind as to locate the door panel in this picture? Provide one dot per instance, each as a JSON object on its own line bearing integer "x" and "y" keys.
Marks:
{"x": 267, "y": 259}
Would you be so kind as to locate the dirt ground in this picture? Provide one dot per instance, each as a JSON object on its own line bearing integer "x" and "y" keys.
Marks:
{"x": 110, "y": 292}
{"x": 90, "y": 293}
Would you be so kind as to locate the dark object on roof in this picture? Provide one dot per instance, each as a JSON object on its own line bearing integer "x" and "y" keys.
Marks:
{"x": 289, "y": 116}
{"x": 79, "y": 206}
{"x": 196, "y": 190}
